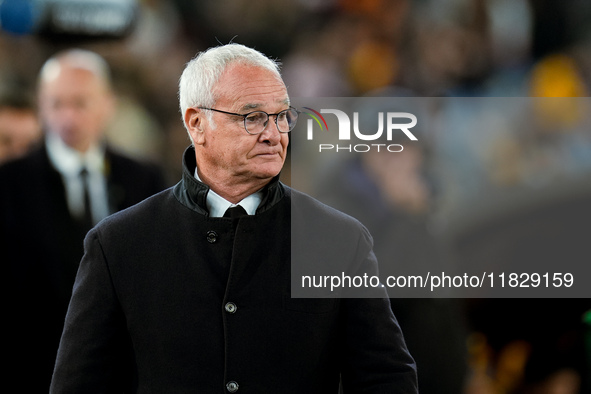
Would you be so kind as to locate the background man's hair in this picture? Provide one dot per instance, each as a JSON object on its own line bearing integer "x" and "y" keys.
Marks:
{"x": 197, "y": 82}
{"x": 76, "y": 58}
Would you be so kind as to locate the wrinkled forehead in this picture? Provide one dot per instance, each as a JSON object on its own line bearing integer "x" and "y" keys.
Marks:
{"x": 247, "y": 87}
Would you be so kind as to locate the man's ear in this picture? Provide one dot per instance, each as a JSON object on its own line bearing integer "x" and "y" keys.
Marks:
{"x": 194, "y": 124}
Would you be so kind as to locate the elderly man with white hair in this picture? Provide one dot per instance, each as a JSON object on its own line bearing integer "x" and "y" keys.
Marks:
{"x": 189, "y": 291}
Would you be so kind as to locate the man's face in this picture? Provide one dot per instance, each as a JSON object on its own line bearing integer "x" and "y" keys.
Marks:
{"x": 76, "y": 105}
{"x": 227, "y": 153}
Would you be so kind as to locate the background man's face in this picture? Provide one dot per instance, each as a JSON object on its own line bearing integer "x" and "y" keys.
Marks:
{"x": 228, "y": 147}
{"x": 76, "y": 105}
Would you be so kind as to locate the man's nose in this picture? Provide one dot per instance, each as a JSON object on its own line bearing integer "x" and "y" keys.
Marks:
{"x": 67, "y": 114}
{"x": 271, "y": 133}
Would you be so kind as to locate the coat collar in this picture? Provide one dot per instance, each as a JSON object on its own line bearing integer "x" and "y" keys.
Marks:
{"x": 193, "y": 194}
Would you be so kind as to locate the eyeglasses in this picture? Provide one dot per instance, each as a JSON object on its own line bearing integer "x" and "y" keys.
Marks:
{"x": 256, "y": 122}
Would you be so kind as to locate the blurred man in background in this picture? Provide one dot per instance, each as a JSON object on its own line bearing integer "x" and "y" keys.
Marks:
{"x": 50, "y": 198}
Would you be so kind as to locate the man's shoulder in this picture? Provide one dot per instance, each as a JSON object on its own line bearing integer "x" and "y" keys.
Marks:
{"x": 151, "y": 210}
{"x": 136, "y": 179}
{"x": 118, "y": 160}
{"x": 303, "y": 203}
{"x": 310, "y": 213}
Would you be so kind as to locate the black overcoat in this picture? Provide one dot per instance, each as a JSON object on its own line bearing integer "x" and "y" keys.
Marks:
{"x": 170, "y": 300}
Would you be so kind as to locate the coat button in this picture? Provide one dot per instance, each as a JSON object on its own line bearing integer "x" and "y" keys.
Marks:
{"x": 230, "y": 307}
{"x": 212, "y": 236}
{"x": 232, "y": 386}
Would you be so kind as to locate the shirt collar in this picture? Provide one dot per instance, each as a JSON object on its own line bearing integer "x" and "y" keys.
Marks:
{"x": 193, "y": 194}
{"x": 217, "y": 205}
{"x": 69, "y": 161}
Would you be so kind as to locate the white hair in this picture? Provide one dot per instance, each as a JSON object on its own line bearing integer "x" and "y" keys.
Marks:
{"x": 78, "y": 59}
{"x": 198, "y": 80}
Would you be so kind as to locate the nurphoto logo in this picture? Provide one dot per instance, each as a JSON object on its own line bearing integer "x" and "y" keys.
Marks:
{"x": 394, "y": 125}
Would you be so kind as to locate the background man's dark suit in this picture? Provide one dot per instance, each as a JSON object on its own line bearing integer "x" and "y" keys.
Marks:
{"x": 41, "y": 245}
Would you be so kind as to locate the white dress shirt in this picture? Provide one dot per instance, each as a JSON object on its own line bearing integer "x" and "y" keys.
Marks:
{"x": 69, "y": 162}
{"x": 217, "y": 205}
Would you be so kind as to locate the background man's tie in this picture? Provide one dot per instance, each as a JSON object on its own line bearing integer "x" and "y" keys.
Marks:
{"x": 87, "y": 217}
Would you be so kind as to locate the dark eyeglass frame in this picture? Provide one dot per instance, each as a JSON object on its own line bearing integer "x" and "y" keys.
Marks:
{"x": 263, "y": 112}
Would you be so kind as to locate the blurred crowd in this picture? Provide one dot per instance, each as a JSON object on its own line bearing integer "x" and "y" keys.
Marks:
{"x": 504, "y": 50}
{"x": 333, "y": 48}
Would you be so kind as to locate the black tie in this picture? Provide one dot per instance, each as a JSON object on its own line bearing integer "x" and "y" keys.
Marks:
{"x": 235, "y": 212}
{"x": 87, "y": 218}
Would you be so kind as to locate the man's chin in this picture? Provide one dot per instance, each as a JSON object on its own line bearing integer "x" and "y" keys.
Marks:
{"x": 73, "y": 140}
{"x": 269, "y": 172}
